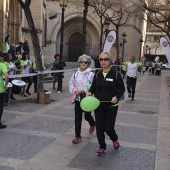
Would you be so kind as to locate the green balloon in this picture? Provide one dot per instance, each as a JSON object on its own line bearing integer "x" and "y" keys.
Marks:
{"x": 88, "y": 87}
{"x": 88, "y": 104}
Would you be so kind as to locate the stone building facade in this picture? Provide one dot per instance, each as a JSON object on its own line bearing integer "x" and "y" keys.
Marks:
{"x": 49, "y": 31}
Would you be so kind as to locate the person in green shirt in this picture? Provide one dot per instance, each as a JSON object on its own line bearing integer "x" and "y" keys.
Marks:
{"x": 3, "y": 71}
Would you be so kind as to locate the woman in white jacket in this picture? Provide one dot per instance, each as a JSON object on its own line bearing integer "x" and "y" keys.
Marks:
{"x": 77, "y": 86}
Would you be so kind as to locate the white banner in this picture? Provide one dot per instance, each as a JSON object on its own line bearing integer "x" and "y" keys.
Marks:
{"x": 110, "y": 39}
{"x": 165, "y": 46}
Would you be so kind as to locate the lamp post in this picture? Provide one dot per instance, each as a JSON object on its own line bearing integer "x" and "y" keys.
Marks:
{"x": 141, "y": 41}
{"x": 124, "y": 41}
{"x": 63, "y": 4}
{"x": 106, "y": 26}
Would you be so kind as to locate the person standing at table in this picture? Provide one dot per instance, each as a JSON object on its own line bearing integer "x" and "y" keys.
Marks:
{"x": 3, "y": 72}
{"x": 77, "y": 86}
{"x": 25, "y": 66}
{"x": 107, "y": 86}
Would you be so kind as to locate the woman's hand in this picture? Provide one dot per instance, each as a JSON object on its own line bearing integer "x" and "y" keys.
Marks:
{"x": 78, "y": 91}
{"x": 114, "y": 100}
{"x": 88, "y": 94}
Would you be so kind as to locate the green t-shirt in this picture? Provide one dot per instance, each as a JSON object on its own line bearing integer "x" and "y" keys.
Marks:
{"x": 138, "y": 64}
{"x": 3, "y": 69}
{"x": 104, "y": 74}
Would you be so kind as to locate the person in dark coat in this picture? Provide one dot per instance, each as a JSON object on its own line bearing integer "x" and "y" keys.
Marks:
{"x": 107, "y": 86}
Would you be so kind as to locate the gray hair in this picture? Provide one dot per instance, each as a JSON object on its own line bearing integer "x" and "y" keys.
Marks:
{"x": 88, "y": 58}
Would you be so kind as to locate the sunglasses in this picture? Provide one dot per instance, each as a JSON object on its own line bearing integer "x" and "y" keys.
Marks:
{"x": 104, "y": 59}
{"x": 85, "y": 62}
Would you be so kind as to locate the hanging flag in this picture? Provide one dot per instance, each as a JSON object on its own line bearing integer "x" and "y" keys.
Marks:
{"x": 110, "y": 39}
{"x": 166, "y": 48}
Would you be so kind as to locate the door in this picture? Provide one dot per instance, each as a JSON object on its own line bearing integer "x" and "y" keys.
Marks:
{"x": 75, "y": 47}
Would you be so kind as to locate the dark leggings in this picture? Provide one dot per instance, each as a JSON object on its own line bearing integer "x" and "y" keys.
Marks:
{"x": 105, "y": 122}
{"x": 29, "y": 82}
{"x": 78, "y": 118}
{"x": 131, "y": 85}
{"x": 2, "y": 98}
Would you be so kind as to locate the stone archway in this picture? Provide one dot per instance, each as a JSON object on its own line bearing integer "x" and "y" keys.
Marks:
{"x": 75, "y": 46}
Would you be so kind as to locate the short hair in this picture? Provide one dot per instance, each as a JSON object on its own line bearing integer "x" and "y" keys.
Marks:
{"x": 108, "y": 54}
{"x": 56, "y": 55}
{"x": 133, "y": 57}
{"x": 88, "y": 58}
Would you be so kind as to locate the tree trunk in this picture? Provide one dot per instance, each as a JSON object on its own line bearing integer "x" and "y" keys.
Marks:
{"x": 37, "y": 51}
{"x": 86, "y": 3}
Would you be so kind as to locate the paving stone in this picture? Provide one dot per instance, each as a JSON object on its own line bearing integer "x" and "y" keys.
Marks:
{"x": 24, "y": 107}
{"x": 126, "y": 158}
{"x": 140, "y": 109}
{"x": 136, "y": 135}
{"x": 143, "y": 102}
{"x": 9, "y": 116}
{"x": 22, "y": 146}
{"x": 142, "y": 119}
{"x": 6, "y": 168}
{"x": 62, "y": 111}
{"x": 46, "y": 124}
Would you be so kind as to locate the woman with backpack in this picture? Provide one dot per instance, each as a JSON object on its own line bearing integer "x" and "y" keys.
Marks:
{"x": 77, "y": 86}
{"x": 108, "y": 87}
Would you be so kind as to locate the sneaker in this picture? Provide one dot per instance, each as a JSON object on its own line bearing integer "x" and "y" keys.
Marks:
{"x": 2, "y": 126}
{"x": 132, "y": 99}
{"x": 129, "y": 95}
{"x": 13, "y": 98}
{"x": 6, "y": 104}
{"x": 101, "y": 152}
{"x": 76, "y": 140}
{"x": 58, "y": 91}
{"x": 116, "y": 145}
{"x": 28, "y": 92}
{"x": 91, "y": 130}
{"x": 24, "y": 95}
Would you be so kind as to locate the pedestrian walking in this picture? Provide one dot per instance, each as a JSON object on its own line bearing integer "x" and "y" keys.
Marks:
{"x": 132, "y": 68}
{"x": 58, "y": 65}
{"x": 153, "y": 67}
{"x": 3, "y": 72}
{"x": 107, "y": 86}
{"x": 77, "y": 86}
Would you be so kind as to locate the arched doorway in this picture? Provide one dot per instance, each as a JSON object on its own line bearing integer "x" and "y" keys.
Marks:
{"x": 75, "y": 46}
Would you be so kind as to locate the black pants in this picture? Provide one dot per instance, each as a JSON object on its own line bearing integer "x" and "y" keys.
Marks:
{"x": 153, "y": 70}
{"x": 131, "y": 85}
{"x": 35, "y": 83}
{"x": 78, "y": 118}
{"x": 2, "y": 98}
{"x": 27, "y": 79}
{"x": 60, "y": 82}
{"x": 105, "y": 122}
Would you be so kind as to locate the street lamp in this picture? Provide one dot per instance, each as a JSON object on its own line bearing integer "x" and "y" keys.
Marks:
{"x": 141, "y": 41}
{"x": 124, "y": 41}
{"x": 63, "y": 4}
{"x": 106, "y": 26}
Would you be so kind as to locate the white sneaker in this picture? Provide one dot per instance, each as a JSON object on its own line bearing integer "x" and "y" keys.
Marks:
{"x": 58, "y": 91}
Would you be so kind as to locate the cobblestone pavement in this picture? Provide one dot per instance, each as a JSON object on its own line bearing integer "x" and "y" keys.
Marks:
{"x": 38, "y": 137}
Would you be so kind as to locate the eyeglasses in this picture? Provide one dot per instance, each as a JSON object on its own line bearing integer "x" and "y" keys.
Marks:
{"x": 85, "y": 62}
{"x": 104, "y": 59}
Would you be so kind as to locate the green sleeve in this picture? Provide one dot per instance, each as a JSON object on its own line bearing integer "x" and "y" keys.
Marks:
{"x": 6, "y": 64}
{"x": 138, "y": 65}
{"x": 126, "y": 63}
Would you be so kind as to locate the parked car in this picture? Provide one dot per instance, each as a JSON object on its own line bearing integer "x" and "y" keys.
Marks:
{"x": 167, "y": 65}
